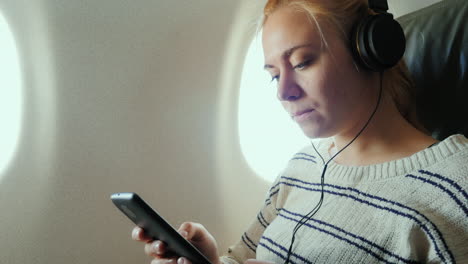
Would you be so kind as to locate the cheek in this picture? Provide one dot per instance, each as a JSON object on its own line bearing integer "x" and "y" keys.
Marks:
{"x": 326, "y": 90}
{"x": 315, "y": 86}
{"x": 335, "y": 103}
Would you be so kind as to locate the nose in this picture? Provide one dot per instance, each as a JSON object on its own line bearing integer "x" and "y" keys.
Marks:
{"x": 288, "y": 88}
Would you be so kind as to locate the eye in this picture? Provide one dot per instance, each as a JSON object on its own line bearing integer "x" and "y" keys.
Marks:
{"x": 275, "y": 78}
{"x": 303, "y": 64}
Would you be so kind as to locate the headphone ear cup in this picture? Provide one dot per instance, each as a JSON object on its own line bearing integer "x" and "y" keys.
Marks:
{"x": 378, "y": 42}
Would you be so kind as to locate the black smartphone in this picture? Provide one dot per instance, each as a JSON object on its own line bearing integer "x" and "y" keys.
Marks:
{"x": 156, "y": 227}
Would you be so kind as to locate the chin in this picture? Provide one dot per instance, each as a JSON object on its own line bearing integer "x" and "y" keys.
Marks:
{"x": 315, "y": 132}
{"x": 312, "y": 133}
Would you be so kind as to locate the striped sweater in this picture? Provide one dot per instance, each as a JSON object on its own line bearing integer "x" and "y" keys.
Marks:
{"x": 411, "y": 210}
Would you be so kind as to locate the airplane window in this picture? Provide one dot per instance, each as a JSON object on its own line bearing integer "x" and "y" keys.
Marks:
{"x": 10, "y": 95}
{"x": 268, "y": 136}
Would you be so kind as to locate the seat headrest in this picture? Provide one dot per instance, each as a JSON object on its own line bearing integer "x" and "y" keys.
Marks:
{"x": 437, "y": 58}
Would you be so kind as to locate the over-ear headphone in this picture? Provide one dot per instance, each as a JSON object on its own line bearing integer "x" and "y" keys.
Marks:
{"x": 378, "y": 41}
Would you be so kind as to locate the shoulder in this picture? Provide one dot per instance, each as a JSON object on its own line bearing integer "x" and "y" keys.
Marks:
{"x": 453, "y": 161}
{"x": 442, "y": 186}
{"x": 447, "y": 176}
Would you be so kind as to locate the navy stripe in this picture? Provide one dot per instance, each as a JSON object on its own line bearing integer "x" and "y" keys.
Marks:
{"x": 387, "y": 201}
{"x": 250, "y": 240}
{"x": 268, "y": 200}
{"x": 300, "y": 158}
{"x": 273, "y": 193}
{"x": 284, "y": 249}
{"x": 384, "y": 208}
{"x": 451, "y": 182}
{"x": 274, "y": 186}
{"x": 451, "y": 194}
{"x": 341, "y": 238}
{"x": 244, "y": 237}
{"x": 305, "y": 154}
{"x": 353, "y": 235}
{"x": 263, "y": 218}
{"x": 387, "y": 209}
{"x": 274, "y": 252}
{"x": 260, "y": 221}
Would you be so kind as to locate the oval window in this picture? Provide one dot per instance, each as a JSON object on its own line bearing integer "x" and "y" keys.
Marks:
{"x": 268, "y": 136}
{"x": 10, "y": 95}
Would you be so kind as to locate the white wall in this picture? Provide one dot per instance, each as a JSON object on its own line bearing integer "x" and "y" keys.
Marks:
{"x": 126, "y": 96}
{"x": 120, "y": 96}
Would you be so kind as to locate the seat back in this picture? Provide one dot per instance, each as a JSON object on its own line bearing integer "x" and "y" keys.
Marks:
{"x": 437, "y": 57}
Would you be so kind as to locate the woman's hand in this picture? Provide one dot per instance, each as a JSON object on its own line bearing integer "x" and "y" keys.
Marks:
{"x": 193, "y": 232}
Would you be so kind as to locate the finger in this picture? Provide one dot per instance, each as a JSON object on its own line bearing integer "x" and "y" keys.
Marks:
{"x": 183, "y": 261}
{"x": 164, "y": 261}
{"x": 193, "y": 231}
{"x": 155, "y": 249}
{"x": 139, "y": 235}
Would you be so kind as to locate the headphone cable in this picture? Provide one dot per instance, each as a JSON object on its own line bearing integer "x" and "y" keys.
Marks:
{"x": 309, "y": 216}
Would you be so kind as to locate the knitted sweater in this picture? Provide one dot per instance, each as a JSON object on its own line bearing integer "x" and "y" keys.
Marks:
{"x": 411, "y": 210}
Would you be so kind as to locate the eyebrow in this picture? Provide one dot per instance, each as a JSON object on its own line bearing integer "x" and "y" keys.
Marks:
{"x": 288, "y": 53}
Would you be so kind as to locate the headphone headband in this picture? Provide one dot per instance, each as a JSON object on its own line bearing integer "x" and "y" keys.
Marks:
{"x": 379, "y": 6}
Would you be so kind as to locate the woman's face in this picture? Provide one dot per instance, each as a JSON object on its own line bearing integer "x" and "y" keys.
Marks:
{"x": 319, "y": 86}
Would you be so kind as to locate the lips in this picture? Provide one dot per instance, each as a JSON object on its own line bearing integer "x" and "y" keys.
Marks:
{"x": 302, "y": 115}
{"x": 299, "y": 113}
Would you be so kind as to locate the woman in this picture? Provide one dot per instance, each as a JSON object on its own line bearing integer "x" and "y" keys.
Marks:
{"x": 377, "y": 189}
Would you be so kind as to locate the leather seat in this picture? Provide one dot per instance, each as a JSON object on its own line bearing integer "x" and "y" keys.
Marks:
{"x": 437, "y": 57}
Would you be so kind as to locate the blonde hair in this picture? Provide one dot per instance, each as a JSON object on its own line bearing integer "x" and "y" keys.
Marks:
{"x": 342, "y": 15}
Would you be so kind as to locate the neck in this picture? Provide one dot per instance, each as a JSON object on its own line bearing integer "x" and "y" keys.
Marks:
{"x": 388, "y": 136}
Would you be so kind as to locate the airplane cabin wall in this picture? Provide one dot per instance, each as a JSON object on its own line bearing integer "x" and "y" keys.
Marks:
{"x": 127, "y": 96}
